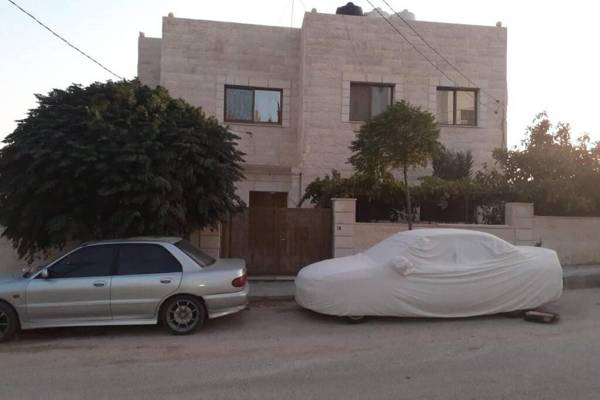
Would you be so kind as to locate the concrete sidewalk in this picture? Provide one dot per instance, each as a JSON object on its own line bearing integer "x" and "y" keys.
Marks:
{"x": 581, "y": 276}
{"x": 271, "y": 289}
{"x": 282, "y": 288}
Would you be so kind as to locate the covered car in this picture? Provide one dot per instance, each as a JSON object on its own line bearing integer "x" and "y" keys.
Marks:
{"x": 432, "y": 273}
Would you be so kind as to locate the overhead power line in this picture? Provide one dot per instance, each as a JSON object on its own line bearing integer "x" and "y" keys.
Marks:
{"x": 429, "y": 60}
{"x": 303, "y": 5}
{"x": 409, "y": 42}
{"x": 495, "y": 111}
{"x": 416, "y": 32}
{"x": 65, "y": 40}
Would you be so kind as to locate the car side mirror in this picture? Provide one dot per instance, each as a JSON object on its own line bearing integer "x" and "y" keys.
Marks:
{"x": 401, "y": 265}
{"x": 44, "y": 274}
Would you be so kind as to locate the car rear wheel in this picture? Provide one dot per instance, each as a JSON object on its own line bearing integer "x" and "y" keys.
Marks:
{"x": 9, "y": 322}
{"x": 182, "y": 315}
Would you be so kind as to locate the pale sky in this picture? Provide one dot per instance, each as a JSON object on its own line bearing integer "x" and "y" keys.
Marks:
{"x": 553, "y": 51}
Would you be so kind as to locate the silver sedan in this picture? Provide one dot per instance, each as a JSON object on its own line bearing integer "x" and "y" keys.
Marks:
{"x": 125, "y": 282}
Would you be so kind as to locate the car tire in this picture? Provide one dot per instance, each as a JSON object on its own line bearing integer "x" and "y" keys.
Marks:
{"x": 9, "y": 322}
{"x": 355, "y": 319}
{"x": 183, "y": 315}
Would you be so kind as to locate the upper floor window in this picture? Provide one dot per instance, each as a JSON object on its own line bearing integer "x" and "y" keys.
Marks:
{"x": 253, "y": 105}
{"x": 457, "y": 106}
{"x": 369, "y": 99}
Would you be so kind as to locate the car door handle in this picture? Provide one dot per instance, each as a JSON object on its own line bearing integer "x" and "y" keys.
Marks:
{"x": 99, "y": 284}
{"x": 166, "y": 280}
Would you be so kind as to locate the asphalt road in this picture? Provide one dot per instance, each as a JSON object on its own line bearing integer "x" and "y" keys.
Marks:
{"x": 278, "y": 351}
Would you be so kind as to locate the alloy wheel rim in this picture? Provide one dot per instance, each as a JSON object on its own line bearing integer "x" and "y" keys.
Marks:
{"x": 182, "y": 315}
{"x": 3, "y": 323}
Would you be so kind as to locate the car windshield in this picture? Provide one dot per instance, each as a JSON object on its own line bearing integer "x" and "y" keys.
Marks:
{"x": 195, "y": 253}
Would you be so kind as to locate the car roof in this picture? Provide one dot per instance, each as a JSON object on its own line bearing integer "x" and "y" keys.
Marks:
{"x": 144, "y": 239}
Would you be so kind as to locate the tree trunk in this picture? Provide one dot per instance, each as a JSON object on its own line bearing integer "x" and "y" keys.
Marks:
{"x": 407, "y": 198}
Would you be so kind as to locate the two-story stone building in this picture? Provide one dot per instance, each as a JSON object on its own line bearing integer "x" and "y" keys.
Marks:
{"x": 296, "y": 97}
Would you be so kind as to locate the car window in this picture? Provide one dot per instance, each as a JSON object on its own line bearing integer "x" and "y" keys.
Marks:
{"x": 195, "y": 253}
{"x": 136, "y": 259}
{"x": 88, "y": 261}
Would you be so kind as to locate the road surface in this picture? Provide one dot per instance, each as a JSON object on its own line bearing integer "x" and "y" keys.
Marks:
{"x": 279, "y": 351}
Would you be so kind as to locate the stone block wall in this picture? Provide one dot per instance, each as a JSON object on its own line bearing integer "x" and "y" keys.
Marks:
{"x": 344, "y": 217}
{"x": 198, "y": 58}
{"x": 339, "y": 49}
{"x": 149, "y": 60}
{"x": 314, "y": 66}
{"x": 575, "y": 239}
{"x": 351, "y": 237}
{"x": 208, "y": 240}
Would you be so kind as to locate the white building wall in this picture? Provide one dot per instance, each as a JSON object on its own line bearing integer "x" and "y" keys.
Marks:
{"x": 314, "y": 66}
{"x": 149, "y": 60}
{"x": 341, "y": 49}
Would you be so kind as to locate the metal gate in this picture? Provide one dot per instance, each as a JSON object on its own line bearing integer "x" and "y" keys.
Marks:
{"x": 278, "y": 241}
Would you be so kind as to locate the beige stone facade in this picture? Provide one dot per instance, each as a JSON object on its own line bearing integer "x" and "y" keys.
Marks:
{"x": 314, "y": 67}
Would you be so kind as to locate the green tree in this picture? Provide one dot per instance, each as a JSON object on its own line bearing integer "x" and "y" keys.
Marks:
{"x": 451, "y": 166}
{"x": 403, "y": 136}
{"x": 559, "y": 175}
{"x": 114, "y": 159}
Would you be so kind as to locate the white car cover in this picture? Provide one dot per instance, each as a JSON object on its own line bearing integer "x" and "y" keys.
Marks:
{"x": 432, "y": 273}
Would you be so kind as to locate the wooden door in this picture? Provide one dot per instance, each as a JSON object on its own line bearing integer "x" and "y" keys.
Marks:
{"x": 305, "y": 237}
{"x": 279, "y": 241}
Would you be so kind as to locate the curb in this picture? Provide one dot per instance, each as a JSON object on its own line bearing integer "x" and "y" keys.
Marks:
{"x": 256, "y": 299}
{"x": 581, "y": 277}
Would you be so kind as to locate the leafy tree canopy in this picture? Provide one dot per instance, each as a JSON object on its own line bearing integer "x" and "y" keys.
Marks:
{"x": 450, "y": 165}
{"x": 403, "y": 136}
{"x": 114, "y": 159}
{"x": 559, "y": 175}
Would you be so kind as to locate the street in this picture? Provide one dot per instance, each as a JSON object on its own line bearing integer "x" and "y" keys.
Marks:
{"x": 278, "y": 351}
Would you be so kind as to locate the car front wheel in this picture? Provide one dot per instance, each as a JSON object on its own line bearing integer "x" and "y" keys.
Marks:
{"x": 9, "y": 323}
{"x": 183, "y": 315}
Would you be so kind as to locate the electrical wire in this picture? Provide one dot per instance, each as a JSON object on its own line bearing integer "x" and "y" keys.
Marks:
{"x": 433, "y": 64}
{"x": 409, "y": 42}
{"x": 303, "y": 5}
{"x": 65, "y": 40}
{"x": 416, "y": 32}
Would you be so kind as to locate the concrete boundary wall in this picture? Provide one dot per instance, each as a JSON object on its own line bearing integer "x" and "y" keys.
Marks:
{"x": 207, "y": 239}
{"x": 575, "y": 239}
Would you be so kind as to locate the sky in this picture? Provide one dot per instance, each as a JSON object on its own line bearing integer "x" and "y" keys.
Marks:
{"x": 553, "y": 56}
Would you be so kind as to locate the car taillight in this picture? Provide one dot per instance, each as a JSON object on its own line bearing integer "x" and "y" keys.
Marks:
{"x": 239, "y": 281}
